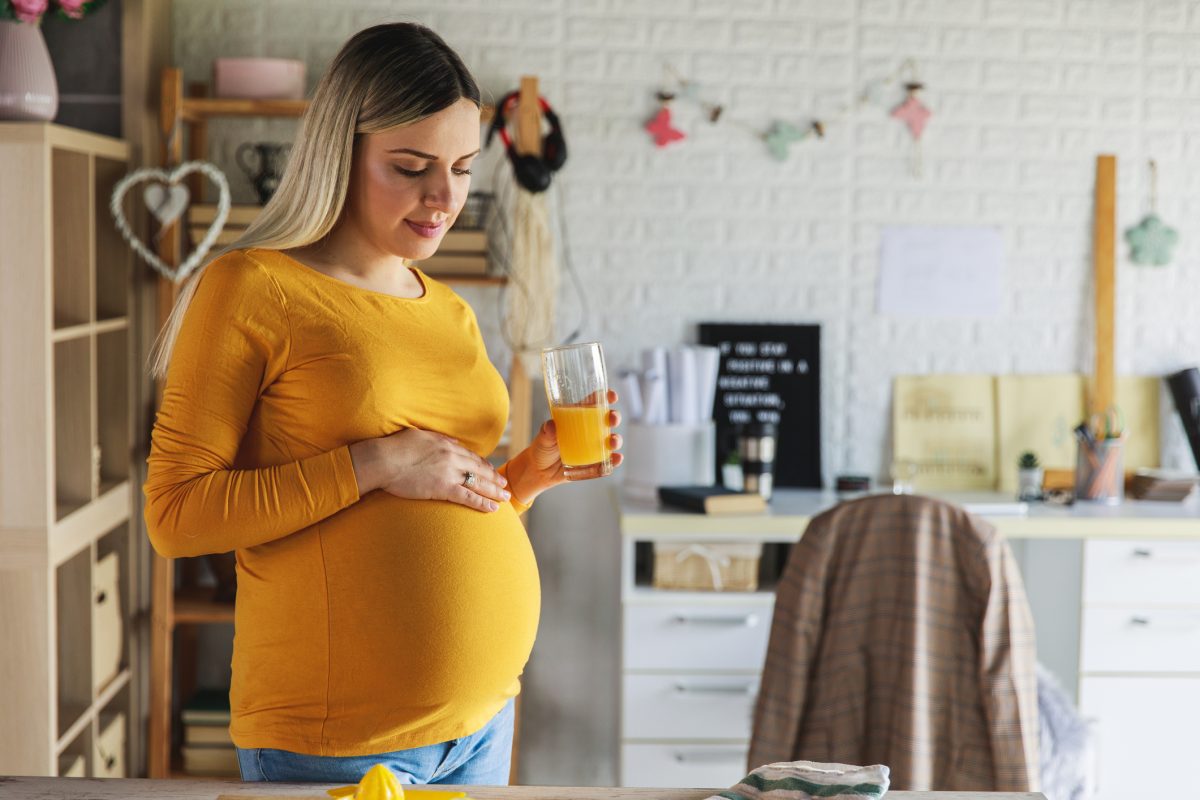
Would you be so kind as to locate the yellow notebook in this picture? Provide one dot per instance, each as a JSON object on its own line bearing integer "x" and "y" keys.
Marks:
{"x": 944, "y": 426}
{"x": 1038, "y": 413}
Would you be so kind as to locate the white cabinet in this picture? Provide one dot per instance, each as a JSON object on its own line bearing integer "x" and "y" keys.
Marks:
{"x": 1139, "y": 660}
{"x": 690, "y": 667}
{"x": 1145, "y": 733}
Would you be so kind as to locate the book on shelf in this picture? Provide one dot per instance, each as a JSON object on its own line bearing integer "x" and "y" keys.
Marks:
{"x": 207, "y": 707}
{"x": 712, "y": 499}
{"x": 455, "y": 264}
{"x": 207, "y": 734}
{"x": 210, "y": 760}
{"x": 1163, "y": 485}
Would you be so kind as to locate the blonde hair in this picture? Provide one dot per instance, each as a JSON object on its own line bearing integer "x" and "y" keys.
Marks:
{"x": 383, "y": 77}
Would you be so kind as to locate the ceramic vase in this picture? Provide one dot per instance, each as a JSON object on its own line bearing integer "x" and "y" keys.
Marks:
{"x": 28, "y": 89}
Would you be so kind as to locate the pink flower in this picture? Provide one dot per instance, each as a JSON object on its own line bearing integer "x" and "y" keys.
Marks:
{"x": 72, "y": 8}
{"x": 30, "y": 10}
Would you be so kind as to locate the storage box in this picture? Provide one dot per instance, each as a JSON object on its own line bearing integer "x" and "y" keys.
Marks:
{"x": 258, "y": 78}
{"x": 107, "y": 633}
{"x": 668, "y": 455}
{"x": 708, "y": 566}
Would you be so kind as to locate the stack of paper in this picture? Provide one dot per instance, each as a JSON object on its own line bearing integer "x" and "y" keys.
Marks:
{"x": 674, "y": 387}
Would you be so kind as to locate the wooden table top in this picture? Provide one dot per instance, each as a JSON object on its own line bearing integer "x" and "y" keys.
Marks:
{"x": 139, "y": 789}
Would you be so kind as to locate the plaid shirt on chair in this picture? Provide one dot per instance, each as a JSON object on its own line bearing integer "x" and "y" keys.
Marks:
{"x": 902, "y": 636}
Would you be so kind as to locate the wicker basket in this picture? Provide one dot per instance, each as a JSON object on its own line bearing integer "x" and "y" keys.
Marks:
{"x": 707, "y": 567}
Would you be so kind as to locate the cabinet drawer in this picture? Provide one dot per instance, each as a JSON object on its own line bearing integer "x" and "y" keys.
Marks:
{"x": 713, "y": 706}
{"x": 1138, "y": 724}
{"x": 682, "y": 765}
{"x": 1134, "y": 639}
{"x": 1133, "y": 571}
{"x": 724, "y": 636}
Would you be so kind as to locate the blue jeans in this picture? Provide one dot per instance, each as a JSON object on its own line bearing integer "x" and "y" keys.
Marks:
{"x": 481, "y": 759}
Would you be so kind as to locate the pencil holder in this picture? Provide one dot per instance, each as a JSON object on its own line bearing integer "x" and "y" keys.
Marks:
{"x": 1099, "y": 472}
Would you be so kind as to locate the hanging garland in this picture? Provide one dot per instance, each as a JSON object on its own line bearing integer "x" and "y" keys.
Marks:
{"x": 781, "y": 135}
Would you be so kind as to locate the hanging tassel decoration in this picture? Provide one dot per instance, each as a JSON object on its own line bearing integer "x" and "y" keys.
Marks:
{"x": 1151, "y": 240}
{"x": 913, "y": 113}
{"x": 660, "y": 125}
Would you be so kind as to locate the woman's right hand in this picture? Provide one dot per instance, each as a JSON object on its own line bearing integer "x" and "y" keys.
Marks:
{"x": 422, "y": 465}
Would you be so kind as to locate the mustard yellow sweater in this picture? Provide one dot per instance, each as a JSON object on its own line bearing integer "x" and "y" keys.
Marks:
{"x": 363, "y": 624}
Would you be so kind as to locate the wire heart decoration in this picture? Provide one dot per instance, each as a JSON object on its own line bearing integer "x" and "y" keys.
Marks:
{"x": 172, "y": 179}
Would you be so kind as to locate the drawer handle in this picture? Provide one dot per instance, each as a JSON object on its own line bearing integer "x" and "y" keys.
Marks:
{"x": 101, "y": 596}
{"x": 709, "y": 757}
{"x": 1183, "y": 626}
{"x": 1147, "y": 553}
{"x": 716, "y": 688}
{"x": 732, "y": 620}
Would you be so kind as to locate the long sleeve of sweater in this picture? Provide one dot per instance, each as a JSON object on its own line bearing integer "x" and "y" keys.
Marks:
{"x": 234, "y": 341}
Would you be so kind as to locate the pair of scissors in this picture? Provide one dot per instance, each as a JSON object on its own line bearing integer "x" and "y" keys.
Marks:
{"x": 1107, "y": 424}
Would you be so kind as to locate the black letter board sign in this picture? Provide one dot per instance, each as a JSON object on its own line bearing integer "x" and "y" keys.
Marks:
{"x": 771, "y": 373}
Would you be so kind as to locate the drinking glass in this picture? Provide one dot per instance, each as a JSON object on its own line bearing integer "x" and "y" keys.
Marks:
{"x": 577, "y": 389}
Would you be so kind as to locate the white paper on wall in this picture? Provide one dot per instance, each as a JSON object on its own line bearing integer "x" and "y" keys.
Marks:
{"x": 941, "y": 271}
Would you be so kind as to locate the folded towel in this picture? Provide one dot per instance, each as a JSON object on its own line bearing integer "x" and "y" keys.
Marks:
{"x": 802, "y": 780}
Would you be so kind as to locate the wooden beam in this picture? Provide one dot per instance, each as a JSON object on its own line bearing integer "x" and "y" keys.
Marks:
{"x": 197, "y": 147}
{"x": 162, "y": 571}
{"x": 529, "y": 118}
{"x": 1104, "y": 268}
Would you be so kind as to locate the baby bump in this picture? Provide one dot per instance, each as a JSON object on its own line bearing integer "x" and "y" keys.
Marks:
{"x": 443, "y": 598}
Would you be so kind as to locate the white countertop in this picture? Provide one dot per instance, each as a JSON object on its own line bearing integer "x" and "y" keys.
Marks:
{"x": 790, "y": 510}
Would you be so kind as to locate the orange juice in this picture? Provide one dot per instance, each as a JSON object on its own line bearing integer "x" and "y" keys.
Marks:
{"x": 582, "y": 434}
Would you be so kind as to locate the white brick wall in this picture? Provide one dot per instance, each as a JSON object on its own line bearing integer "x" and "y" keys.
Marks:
{"x": 1025, "y": 94}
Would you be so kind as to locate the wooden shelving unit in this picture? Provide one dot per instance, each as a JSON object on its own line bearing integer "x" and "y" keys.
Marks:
{"x": 67, "y": 548}
{"x": 176, "y": 611}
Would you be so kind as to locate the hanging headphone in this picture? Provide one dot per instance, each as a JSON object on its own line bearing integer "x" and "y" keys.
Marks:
{"x": 532, "y": 172}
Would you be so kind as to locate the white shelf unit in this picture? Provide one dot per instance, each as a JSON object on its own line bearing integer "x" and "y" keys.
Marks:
{"x": 66, "y": 418}
{"x": 691, "y": 661}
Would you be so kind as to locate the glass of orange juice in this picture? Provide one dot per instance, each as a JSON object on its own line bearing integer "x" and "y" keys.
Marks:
{"x": 577, "y": 388}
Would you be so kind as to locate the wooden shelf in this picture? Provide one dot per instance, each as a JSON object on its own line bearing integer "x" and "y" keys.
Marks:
{"x": 472, "y": 280}
{"x": 80, "y": 331}
{"x": 197, "y": 109}
{"x": 194, "y": 607}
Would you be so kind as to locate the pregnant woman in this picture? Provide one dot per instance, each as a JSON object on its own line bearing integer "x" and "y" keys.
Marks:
{"x": 326, "y": 412}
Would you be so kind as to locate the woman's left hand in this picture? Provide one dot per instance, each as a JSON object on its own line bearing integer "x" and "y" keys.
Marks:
{"x": 544, "y": 467}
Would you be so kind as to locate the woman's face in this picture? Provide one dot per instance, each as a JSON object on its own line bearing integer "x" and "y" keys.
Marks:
{"x": 408, "y": 184}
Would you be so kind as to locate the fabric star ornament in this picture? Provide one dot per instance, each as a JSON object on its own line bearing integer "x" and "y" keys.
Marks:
{"x": 660, "y": 128}
{"x": 1151, "y": 241}
{"x": 912, "y": 112}
{"x": 781, "y": 135}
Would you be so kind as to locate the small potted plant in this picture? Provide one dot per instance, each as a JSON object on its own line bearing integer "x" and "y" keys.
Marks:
{"x": 731, "y": 472}
{"x": 1029, "y": 477}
